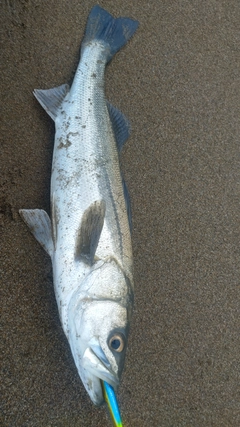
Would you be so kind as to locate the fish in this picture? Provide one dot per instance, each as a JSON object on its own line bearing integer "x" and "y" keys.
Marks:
{"x": 89, "y": 234}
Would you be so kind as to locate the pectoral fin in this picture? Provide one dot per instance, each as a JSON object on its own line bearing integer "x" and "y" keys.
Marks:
{"x": 40, "y": 226}
{"x": 89, "y": 231}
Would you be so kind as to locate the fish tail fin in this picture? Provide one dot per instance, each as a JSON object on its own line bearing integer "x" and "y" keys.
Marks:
{"x": 114, "y": 32}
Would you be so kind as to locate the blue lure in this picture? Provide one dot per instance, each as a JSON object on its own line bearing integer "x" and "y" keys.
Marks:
{"x": 111, "y": 400}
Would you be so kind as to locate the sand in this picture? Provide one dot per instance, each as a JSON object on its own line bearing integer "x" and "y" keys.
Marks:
{"x": 178, "y": 82}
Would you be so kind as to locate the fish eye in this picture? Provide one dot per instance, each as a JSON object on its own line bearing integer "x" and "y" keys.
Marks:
{"x": 116, "y": 343}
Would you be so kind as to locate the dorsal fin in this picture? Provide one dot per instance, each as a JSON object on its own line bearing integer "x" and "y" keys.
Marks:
{"x": 90, "y": 230}
{"x": 120, "y": 124}
{"x": 121, "y": 129}
{"x": 128, "y": 204}
{"x": 51, "y": 99}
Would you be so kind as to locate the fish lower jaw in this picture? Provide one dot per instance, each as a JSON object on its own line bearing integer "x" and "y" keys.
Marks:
{"x": 92, "y": 364}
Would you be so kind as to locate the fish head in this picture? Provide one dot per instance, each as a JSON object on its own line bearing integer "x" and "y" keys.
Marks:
{"x": 106, "y": 344}
{"x": 99, "y": 331}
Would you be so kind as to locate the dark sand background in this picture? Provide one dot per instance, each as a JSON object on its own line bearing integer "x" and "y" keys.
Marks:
{"x": 178, "y": 81}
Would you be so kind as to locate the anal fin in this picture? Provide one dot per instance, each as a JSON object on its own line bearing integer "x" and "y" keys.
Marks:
{"x": 51, "y": 99}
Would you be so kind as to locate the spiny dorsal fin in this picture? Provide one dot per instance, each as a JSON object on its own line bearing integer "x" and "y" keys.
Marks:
{"x": 120, "y": 124}
{"x": 90, "y": 231}
{"x": 128, "y": 203}
{"x": 51, "y": 99}
{"x": 40, "y": 225}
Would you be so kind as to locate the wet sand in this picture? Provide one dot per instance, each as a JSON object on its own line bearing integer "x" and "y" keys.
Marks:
{"x": 178, "y": 82}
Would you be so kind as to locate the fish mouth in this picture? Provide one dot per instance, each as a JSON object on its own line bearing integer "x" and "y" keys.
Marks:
{"x": 96, "y": 363}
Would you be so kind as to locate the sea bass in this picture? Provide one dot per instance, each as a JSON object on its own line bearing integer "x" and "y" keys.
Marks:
{"x": 88, "y": 237}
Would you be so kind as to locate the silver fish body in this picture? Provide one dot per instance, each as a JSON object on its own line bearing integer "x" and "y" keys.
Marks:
{"x": 88, "y": 237}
